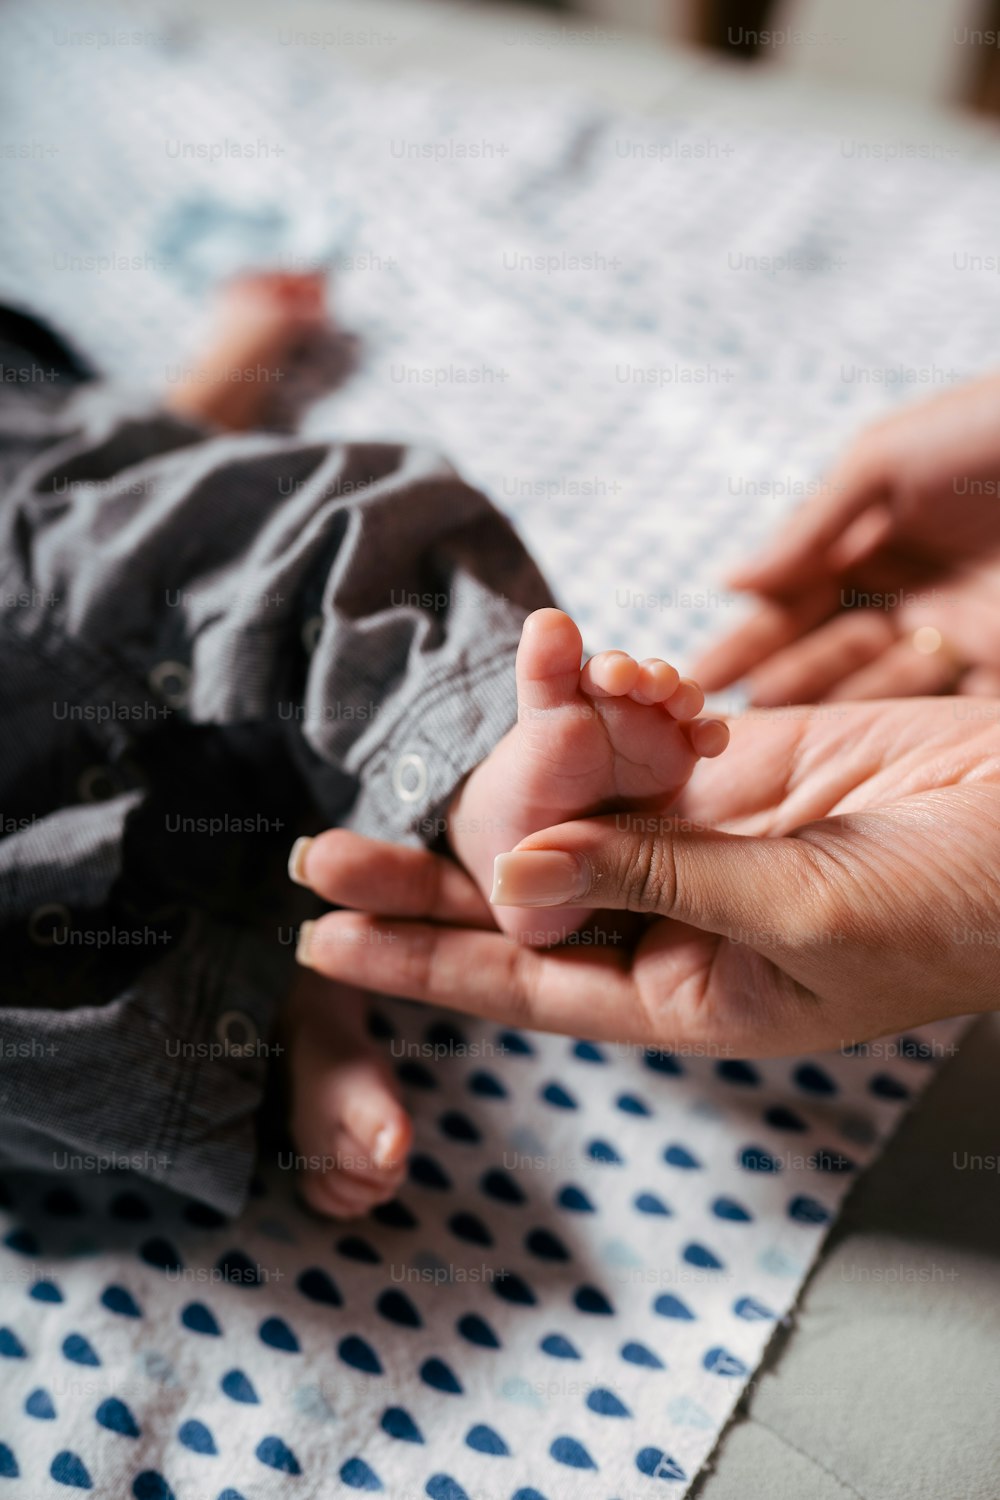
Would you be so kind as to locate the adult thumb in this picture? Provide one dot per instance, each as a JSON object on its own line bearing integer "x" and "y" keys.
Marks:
{"x": 766, "y": 892}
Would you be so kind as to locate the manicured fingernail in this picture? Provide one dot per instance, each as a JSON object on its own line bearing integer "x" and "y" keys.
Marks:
{"x": 297, "y": 861}
{"x": 538, "y": 877}
{"x": 304, "y": 943}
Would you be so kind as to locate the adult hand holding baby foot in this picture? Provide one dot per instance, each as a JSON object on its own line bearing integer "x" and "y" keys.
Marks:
{"x": 831, "y": 879}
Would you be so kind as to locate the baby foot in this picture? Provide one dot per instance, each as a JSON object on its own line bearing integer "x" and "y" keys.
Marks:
{"x": 615, "y": 734}
{"x": 262, "y": 322}
{"x": 347, "y": 1121}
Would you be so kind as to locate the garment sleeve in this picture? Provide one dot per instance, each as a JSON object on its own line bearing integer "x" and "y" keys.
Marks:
{"x": 332, "y": 626}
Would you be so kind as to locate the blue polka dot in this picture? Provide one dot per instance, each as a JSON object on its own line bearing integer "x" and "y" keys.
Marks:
{"x": 590, "y": 1299}
{"x": 638, "y": 1354}
{"x": 354, "y": 1351}
{"x": 76, "y": 1348}
{"x": 501, "y": 1186}
{"x": 277, "y": 1455}
{"x": 606, "y": 1404}
{"x": 458, "y": 1127}
{"x": 443, "y": 1487}
{"x": 806, "y": 1210}
{"x": 559, "y": 1347}
{"x": 394, "y": 1215}
{"x": 575, "y": 1200}
{"x": 69, "y": 1469}
{"x": 486, "y": 1086}
{"x": 780, "y": 1118}
{"x": 116, "y": 1417}
{"x": 355, "y": 1248}
{"x": 434, "y": 1372}
{"x": 276, "y": 1333}
{"x": 663, "y": 1062}
{"x": 603, "y": 1151}
{"x": 196, "y": 1436}
{"x": 238, "y": 1388}
{"x": 239, "y": 1269}
{"x": 399, "y": 1424}
{"x": 677, "y": 1155}
{"x": 23, "y": 1242}
{"x": 813, "y": 1080}
{"x": 702, "y": 1256}
{"x": 558, "y": 1097}
{"x": 751, "y": 1310}
{"x": 588, "y": 1052}
{"x": 566, "y": 1450}
{"x": 719, "y": 1361}
{"x": 649, "y": 1203}
{"x": 45, "y": 1291}
{"x": 39, "y": 1405}
{"x": 151, "y": 1486}
{"x": 117, "y": 1300}
{"x": 734, "y": 1070}
{"x": 10, "y": 1345}
{"x": 468, "y": 1227}
{"x": 130, "y": 1208}
{"x": 669, "y": 1306}
{"x": 484, "y": 1440}
{"x": 658, "y": 1465}
{"x": 416, "y": 1076}
{"x": 513, "y": 1288}
{"x": 319, "y": 1287}
{"x": 544, "y": 1244}
{"x": 429, "y": 1173}
{"x": 756, "y": 1159}
{"x": 8, "y": 1463}
{"x": 731, "y": 1210}
{"x": 884, "y": 1086}
{"x": 200, "y": 1319}
{"x": 396, "y": 1307}
{"x": 515, "y": 1043}
{"x": 477, "y": 1331}
{"x": 631, "y": 1104}
{"x": 161, "y": 1253}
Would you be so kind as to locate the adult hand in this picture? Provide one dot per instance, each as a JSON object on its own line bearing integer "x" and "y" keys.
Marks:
{"x": 832, "y": 878}
{"x": 909, "y": 520}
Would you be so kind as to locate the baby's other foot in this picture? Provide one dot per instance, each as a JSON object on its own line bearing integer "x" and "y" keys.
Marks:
{"x": 616, "y": 733}
{"x": 262, "y": 322}
{"x": 347, "y": 1121}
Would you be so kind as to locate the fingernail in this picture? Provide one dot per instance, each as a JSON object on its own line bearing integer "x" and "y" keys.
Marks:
{"x": 304, "y": 943}
{"x": 538, "y": 877}
{"x": 382, "y": 1150}
{"x": 297, "y": 861}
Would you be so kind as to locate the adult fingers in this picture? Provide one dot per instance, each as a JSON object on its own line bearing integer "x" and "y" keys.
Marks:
{"x": 855, "y": 485}
{"x": 775, "y": 625}
{"x": 807, "y": 671}
{"x": 347, "y": 869}
{"x": 904, "y": 670}
{"x": 585, "y": 990}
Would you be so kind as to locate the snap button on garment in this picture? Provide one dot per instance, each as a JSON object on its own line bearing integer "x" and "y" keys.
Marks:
{"x": 409, "y": 777}
{"x": 96, "y": 784}
{"x": 171, "y": 680}
{"x": 235, "y": 1029}
{"x": 47, "y": 923}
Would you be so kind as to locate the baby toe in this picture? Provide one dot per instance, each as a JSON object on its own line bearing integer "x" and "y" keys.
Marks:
{"x": 686, "y": 700}
{"x": 709, "y": 737}
{"x": 656, "y": 681}
{"x": 610, "y": 674}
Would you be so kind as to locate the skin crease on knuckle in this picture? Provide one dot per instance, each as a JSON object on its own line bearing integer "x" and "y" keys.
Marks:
{"x": 651, "y": 883}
